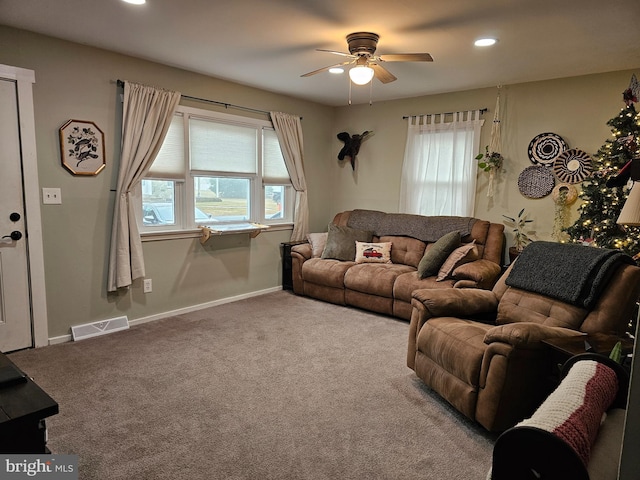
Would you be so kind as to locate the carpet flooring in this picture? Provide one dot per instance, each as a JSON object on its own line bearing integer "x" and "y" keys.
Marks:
{"x": 272, "y": 387}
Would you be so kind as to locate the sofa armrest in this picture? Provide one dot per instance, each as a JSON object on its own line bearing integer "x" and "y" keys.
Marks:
{"x": 304, "y": 250}
{"x": 526, "y": 334}
{"x": 452, "y": 302}
{"x": 449, "y": 302}
{"x": 299, "y": 254}
{"x": 483, "y": 273}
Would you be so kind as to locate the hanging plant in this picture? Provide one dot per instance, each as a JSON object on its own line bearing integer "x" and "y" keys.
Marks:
{"x": 490, "y": 160}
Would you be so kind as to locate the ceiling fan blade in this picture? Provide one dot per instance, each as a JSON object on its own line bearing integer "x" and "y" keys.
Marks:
{"x": 324, "y": 69}
{"x": 406, "y": 57}
{"x": 382, "y": 74}
{"x": 336, "y": 53}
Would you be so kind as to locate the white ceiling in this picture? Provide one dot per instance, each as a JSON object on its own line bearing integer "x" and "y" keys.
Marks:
{"x": 269, "y": 43}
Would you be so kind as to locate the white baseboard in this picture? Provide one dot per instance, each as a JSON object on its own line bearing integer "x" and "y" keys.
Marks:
{"x": 179, "y": 311}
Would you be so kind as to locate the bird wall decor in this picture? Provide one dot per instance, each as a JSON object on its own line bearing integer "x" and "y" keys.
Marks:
{"x": 351, "y": 145}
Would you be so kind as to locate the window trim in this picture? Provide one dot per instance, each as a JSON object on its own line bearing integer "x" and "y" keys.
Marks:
{"x": 184, "y": 191}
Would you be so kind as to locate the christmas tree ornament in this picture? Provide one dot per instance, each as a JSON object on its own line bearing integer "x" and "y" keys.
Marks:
{"x": 631, "y": 94}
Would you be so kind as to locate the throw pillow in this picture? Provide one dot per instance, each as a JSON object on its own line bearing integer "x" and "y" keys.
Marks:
{"x": 373, "y": 252}
{"x": 435, "y": 256}
{"x": 318, "y": 242}
{"x": 341, "y": 242}
{"x": 461, "y": 255}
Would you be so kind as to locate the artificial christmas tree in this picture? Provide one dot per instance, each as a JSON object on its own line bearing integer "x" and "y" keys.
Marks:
{"x": 605, "y": 191}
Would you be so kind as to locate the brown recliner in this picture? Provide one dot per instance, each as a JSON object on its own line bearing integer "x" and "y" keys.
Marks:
{"x": 481, "y": 350}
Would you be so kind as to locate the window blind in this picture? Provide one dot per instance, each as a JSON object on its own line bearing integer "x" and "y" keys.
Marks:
{"x": 222, "y": 147}
{"x": 274, "y": 170}
{"x": 170, "y": 160}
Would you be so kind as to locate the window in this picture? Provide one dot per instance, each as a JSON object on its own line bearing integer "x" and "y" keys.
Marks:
{"x": 439, "y": 170}
{"x": 216, "y": 169}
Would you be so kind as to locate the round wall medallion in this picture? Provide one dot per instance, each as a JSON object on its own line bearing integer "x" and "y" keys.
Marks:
{"x": 572, "y": 166}
{"x": 544, "y": 148}
{"x": 536, "y": 181}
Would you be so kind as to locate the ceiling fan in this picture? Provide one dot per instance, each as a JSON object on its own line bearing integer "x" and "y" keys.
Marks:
{"x": 362, "y": 47}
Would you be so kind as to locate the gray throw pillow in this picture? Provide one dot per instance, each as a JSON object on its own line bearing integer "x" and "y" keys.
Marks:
{"x": 436, "y": 255}
{"x": 341, "y": 242}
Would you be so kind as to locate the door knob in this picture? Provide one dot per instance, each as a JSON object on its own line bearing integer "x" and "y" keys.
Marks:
{"x": 15, "y": 235}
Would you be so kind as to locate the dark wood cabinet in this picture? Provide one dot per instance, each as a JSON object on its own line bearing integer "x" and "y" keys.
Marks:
{"x": 23, "y": 409}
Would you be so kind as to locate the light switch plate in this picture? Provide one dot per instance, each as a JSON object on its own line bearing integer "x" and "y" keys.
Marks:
{"x": 51, "y": 196}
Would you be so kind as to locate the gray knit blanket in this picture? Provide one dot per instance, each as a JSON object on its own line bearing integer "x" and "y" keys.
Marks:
{"x": 571, "y": 273}
{"x": 425, "y": 228}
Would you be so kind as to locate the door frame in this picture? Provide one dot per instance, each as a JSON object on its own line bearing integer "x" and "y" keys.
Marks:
{"x": 24, "y": 86}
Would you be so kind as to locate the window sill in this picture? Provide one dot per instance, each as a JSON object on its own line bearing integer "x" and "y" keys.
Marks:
{"x": 197, "y": 233}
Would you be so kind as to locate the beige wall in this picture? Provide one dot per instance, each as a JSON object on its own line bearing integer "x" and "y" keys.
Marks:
{"x": 76, "y": 82}
{"x": 575, "y": 108}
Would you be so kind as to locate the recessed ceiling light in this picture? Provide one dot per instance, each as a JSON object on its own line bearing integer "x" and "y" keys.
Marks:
{"x": 336, "y": 70}
{"x": 135, "y": 2}
{"x": 485, "y": 42}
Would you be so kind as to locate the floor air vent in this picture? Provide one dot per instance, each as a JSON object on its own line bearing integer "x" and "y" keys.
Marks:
{"x": 88, "y": 330}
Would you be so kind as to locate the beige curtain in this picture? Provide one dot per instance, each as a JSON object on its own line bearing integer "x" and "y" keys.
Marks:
{"x": 146, "y": 116}
{"x": 289, "y": 131}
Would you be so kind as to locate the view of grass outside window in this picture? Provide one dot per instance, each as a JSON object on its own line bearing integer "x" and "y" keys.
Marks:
{"x": 224, "y": 199}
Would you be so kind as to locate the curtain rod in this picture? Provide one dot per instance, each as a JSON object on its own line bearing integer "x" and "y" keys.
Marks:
{"x": 206, "y": 100}
{"x": 482, "y": 110}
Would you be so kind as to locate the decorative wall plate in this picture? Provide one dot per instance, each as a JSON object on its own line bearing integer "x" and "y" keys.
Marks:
{"x": 544, "y": 148}
{"x": 536, "y": 181}
{"x": 572, "y": 166}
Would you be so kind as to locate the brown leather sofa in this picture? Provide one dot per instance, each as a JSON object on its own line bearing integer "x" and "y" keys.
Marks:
{"x": 387, "y": 288}
{"x": 481, "y": 350}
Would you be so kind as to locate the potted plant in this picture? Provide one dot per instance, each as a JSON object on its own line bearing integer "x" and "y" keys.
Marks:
{"x": 521, "y": 235}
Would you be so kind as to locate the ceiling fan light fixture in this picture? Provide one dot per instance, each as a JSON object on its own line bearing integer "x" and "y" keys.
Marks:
{"x": 485, "y": 42}
{"x": 336, "y": 70}
{"x": 361, "y": 74}
{"x": 135, "y": 2}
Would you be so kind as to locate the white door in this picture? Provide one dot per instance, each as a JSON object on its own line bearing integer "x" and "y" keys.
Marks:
{"x": 15, "y": 306}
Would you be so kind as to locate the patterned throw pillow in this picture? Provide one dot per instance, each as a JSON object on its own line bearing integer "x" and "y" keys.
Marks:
{"x": 373, "y": 252}
{"x": 461, "y": 255}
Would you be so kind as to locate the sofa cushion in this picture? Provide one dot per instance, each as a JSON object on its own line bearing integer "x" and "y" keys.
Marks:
{"x": 464, "y": 254}
{"x": 437, "y": 253}
{"x": 341, "y": 242}
{"x": 318, "y": 242}
{"x": 406, "y": 250}
{"x": 521, "y": 306}
{"x": 408, "y": 282}
{"x": 368, "y": 252}
{"x": 374, "y": 278}
{"x": 326, "y": 272}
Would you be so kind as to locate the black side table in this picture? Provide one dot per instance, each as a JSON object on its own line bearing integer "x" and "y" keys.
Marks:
{"x": 287, "y": 266}
{"x": 23, "y": 408}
